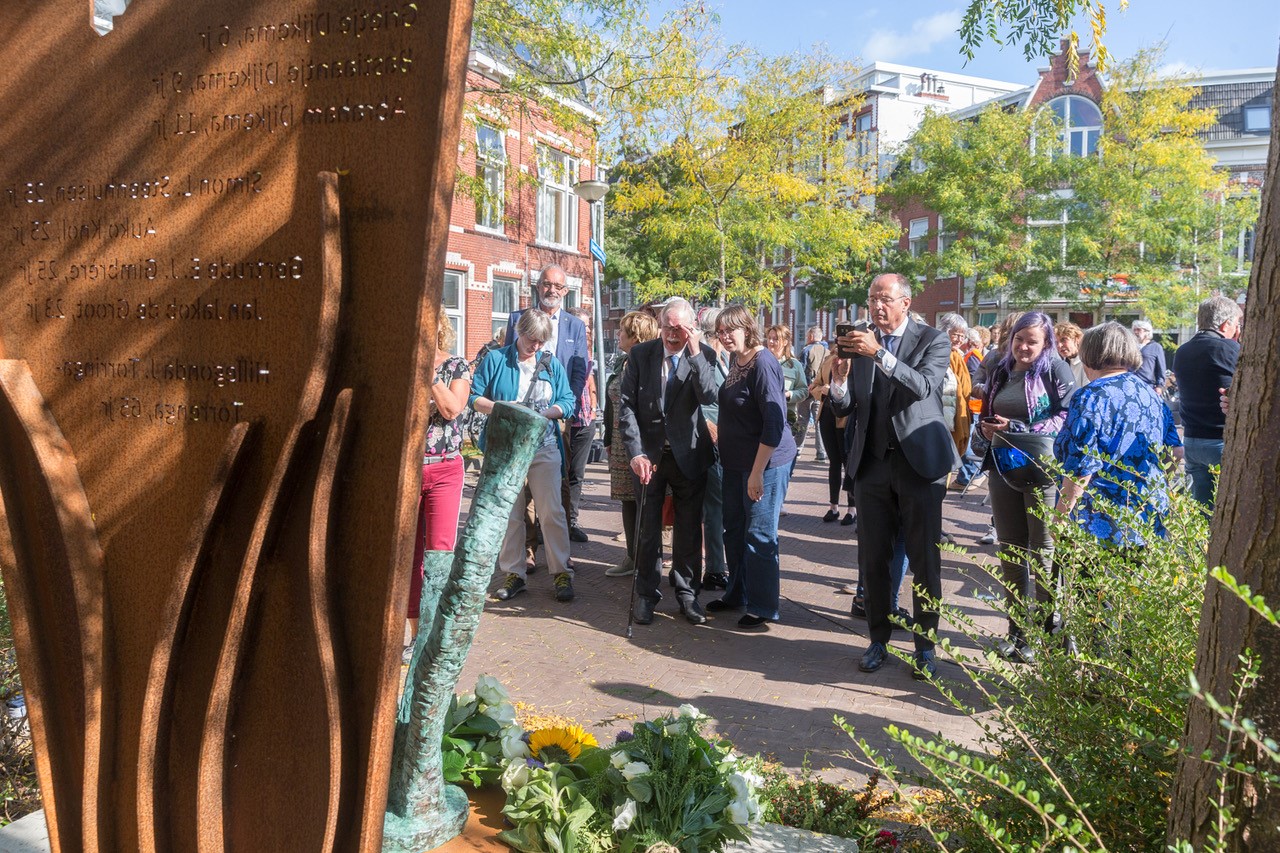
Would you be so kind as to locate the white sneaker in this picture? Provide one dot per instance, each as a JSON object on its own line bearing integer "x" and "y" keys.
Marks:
{"x": 988, "y": 538}
{"x": 622, "y": 570}
{"x": 978, "y": 481}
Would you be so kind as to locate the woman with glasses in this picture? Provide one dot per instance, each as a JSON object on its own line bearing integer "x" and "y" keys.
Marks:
{"x": 756, "y": 452}
{"x": 522, "y": 372}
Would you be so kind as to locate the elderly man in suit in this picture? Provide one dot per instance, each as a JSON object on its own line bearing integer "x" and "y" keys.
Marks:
{"x": 901, "y": 452}
{"x": 568, "y": 344}
{"x": 665, "y": 383}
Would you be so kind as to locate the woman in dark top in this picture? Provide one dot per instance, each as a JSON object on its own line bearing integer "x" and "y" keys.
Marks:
{"x": 1027, "y": 393}
{"x": 756, "y": 451}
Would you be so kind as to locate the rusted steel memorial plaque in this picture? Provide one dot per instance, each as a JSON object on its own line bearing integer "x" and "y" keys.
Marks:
{"x": 223, "y": 226}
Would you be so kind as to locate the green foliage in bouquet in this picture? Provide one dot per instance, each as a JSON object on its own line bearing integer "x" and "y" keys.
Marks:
{"x": 481, "y": 735}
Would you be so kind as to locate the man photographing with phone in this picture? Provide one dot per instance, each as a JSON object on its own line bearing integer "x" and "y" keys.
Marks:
{"x": 900, "y": 455}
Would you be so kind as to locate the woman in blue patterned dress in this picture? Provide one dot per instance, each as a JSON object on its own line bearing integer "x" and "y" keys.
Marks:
{"x": 1114, "y": 443}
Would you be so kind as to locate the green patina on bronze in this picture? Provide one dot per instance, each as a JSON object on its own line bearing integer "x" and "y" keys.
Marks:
{"x": 422, "y": 811}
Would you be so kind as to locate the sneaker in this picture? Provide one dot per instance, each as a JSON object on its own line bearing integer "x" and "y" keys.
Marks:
{"x": 564, "y": 587}
{"x": 511, "y": 587}
{"x": 979, "y": 481}
{"x": 577, "y": 534}
{"x": 624, "y": 569}
{"x": 988, "y": 538}
{"x": 819, "y": 459}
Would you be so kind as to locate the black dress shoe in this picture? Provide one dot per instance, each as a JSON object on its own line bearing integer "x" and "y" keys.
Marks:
{"x": 873, "y": 658}
{"x": 857, "y": 610}
{"x": 693, "y": 611}
{"x": 643, "y": 612}
{"x": 924, "y": 667}
{"x": 711, "y": 580}
{"x": 849, "y": 519}
{"x": 903, "y": 614}
{"x": 576, "y": 534}
{"x": 832, "y": 515}
{"x": 720, "y": 606}
{"x": 753, "y": 623}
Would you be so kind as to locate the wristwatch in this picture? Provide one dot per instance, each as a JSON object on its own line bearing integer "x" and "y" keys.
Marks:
{"x": 880, "y": 354}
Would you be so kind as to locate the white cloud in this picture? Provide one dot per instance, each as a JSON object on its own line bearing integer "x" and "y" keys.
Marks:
{"x": 925, "y": 34}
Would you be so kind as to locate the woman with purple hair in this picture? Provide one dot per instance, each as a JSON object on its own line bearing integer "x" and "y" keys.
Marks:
{"x": 1025, "y": 401}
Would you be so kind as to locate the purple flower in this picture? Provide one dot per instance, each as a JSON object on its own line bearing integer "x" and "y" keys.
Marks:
{"x": 525, "y": 737}
{"x": 534, "y": 764}
{"x": 624, "y": 736}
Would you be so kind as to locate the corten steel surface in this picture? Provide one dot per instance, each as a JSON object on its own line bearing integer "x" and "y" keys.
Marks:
{"x": 223, "y": 228}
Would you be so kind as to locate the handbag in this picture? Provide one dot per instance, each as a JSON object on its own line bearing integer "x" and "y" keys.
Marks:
{"x": 1022, "y": 459}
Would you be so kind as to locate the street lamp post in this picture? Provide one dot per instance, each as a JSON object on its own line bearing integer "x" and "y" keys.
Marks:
{"x": 593, "y": 193}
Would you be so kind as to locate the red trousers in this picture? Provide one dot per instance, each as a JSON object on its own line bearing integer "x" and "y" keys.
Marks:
{"x": 438, "y": 511}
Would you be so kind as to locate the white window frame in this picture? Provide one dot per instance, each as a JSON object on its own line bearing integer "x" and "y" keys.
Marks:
{"x": 918, "y": 236}
{"x": 1257, "y": 119}
{"x": 573, "y": 296}
{"x": 500, "y": 283}
{"x": 1067, "y": 131}
{"x": 557, "y": 205}
{"x": 491, "y": 169}
{"x": 458, "y": 311}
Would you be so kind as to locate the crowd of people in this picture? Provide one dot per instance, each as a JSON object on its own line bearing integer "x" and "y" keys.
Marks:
{"x": 705, "y": 413}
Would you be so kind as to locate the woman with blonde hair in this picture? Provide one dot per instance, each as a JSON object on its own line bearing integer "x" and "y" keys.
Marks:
{"x": 636, "y": 327}
{"x": 442, "y": 468}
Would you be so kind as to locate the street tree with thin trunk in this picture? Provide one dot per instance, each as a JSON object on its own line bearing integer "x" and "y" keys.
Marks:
{"x": 737, "y": 168}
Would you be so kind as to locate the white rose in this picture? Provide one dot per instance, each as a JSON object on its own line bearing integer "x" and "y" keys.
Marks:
{"x": 503, "y": 713}
{"x": 513, "y": 746}
{"x": 689, "y": 712}
{"x": 623, "y": 816}
{"x": 675, "y": 728}
{"x": 619, "y": 759}
{"x": 490, "y": 691}
{"x": 738, "y": 783}
{"x": 632, "y": 769}
{"x": 516, "y": 776}
{"x": 738, "y": 812}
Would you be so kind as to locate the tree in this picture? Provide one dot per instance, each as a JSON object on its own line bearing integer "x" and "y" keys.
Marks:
{"x": 733, "y": 157}
{"x": 1245, "y": 538}
{"x": 1135, "y": 210}
{"x": 985, "y": 182}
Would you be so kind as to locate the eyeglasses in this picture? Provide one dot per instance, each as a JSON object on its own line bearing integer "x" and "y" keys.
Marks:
{"x": 883, "y": 300}
{"x": 554, "y": 285}
{"x": 725, "y": 333}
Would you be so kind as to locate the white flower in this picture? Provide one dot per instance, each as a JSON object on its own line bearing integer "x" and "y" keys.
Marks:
{"x": 741, "y": 788}
{"x": 738, "y": 812}
{"x": 516, "y": 776}
{"x": 465, "y": 699}
{"x": 623, "y": 815}
{"x": 619, "y": 759}
{"x": 503, "y": 713}
{"x": 674, "y": 728}
{"x": 689, "y": 712}
{"x": 513, "y": 745}
{"x": 632, "y": 769}
{"x": 490, "y": 691}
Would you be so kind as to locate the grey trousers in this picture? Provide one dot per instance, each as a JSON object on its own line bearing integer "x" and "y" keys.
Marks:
{"x": 544, "y": 484}
{"x": 1026, "y": 548}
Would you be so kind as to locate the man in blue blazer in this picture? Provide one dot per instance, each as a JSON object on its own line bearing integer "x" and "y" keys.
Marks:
{"x": 569, "y": 346}
{"x": 901, "y": 454}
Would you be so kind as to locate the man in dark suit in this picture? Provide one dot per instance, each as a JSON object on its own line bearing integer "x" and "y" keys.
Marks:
{"x": 901, "y": 452}
{"x": 665, "y": 434}
{"x": 569, "y": 346}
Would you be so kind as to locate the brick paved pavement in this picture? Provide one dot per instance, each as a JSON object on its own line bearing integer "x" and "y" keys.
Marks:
{"x": 773, "y": 692}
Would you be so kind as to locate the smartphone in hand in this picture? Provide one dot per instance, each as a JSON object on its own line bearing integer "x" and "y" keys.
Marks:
{"x": 843, "y": 329}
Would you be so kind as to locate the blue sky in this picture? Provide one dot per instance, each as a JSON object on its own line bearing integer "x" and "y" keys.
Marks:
{"x": 1199, "y": 34}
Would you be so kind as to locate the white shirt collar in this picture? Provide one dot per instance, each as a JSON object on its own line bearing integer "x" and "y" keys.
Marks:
{"x": 898, "y": 332}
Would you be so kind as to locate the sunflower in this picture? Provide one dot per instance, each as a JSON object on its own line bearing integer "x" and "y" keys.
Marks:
{"x": 561, "y": 744}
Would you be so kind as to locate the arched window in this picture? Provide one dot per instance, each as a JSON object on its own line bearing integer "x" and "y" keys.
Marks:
{"x": 1079, "y": 125}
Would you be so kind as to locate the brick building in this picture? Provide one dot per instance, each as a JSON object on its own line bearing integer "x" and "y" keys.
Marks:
{"x": 1238, "y": 141}
{"x": 528, "y": 217}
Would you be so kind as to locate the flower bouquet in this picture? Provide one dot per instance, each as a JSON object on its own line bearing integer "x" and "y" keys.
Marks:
{"x": 663, "y": 786}
{"x": 481, "y": 735}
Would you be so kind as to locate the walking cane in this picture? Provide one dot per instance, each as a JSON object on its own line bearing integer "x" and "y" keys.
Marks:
{"x": 631, "y": 608}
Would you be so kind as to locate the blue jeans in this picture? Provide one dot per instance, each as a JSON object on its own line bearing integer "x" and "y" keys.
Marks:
{"x": 713, "y": 522}
{"x": 1201, "y": 454}
{"x": 751, "y": 541}
{"x": 897, "y": 570}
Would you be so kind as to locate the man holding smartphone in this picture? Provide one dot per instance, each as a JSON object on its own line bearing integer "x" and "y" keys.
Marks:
{"x": 660, "y": 416}
{"x": 901, "y": 454}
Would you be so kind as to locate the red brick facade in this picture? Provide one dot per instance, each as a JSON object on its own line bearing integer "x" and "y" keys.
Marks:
{"x": 477, "y": 257}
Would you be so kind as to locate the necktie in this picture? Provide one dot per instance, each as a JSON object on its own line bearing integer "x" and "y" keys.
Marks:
{"x": 671, "y": 375}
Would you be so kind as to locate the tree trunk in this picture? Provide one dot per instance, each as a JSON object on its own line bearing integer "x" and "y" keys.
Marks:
{"x": 1246, "y": 539}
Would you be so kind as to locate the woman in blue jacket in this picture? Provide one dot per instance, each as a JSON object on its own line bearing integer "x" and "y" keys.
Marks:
{"x": 523, "y": 372}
